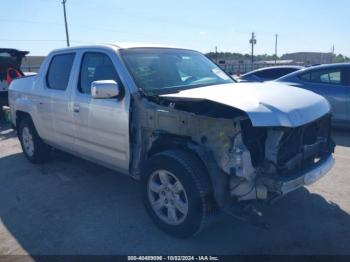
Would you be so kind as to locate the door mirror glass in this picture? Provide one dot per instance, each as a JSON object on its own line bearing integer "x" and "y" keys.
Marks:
{"x": 104, "y": 89}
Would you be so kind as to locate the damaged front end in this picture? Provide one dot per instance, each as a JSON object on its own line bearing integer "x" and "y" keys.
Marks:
{"x": 286, "y": 158}
{"x": 244, "y": 162}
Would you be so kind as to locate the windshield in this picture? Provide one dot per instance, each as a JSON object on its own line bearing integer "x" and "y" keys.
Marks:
{"x": 164, "y": 70}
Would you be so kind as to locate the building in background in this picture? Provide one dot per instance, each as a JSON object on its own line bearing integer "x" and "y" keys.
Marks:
{"x": 32, "y": 63}
{"x": 240, "y": 66}
{"x": 237, "y": 67}
{"x": 309, "y": 58}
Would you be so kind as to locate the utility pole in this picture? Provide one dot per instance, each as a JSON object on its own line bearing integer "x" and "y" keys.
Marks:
{"x": 65, "y": 20}
{"x": 333, "y": 52}
{"x": 216, "y": 54}
{"x": 252, "y": 41}
{"x": 276, "y": 49}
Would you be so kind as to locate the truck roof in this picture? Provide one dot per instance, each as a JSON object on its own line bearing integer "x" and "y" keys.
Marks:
{"x": 118, "y": 46}
{"x": 139, "y": 45}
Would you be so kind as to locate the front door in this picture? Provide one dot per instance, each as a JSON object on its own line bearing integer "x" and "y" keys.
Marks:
{"x": 102, "y": 125}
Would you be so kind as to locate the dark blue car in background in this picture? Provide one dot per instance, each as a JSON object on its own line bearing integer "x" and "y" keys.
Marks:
{"x": 331, "y": 81}
{"x": 268, "y": 73}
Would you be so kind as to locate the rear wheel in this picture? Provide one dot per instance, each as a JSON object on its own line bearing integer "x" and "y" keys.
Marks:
{"x": 33, "y": 147}
{"x": 177, "y": 193}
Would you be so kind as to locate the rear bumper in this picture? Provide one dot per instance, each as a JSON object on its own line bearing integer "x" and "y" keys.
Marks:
{"x": 284, "y": 186}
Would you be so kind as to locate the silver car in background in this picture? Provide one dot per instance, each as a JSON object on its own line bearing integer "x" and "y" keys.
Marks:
{"x": 331, "y": 81}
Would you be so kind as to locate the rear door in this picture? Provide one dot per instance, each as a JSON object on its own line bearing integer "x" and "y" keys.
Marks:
{"x": 347, "y": 77}
{"x": 102, "y": 125}
{"x": 56, "y": 105}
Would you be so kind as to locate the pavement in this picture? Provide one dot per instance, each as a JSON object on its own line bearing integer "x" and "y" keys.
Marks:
{"x": 69, "y": 206}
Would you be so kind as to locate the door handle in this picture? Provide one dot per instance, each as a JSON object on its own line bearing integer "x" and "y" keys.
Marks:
{"x": 76, "y": 108}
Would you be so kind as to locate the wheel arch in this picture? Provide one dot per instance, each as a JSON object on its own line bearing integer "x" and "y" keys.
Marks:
{"x": 165, "y": 142}
{"x": 20, "y": 115}
{"x": 217, "y": 179}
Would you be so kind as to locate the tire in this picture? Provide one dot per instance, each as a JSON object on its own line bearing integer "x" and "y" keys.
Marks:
{"x": 192, "y": 199}
{"x": 35, "y": 150}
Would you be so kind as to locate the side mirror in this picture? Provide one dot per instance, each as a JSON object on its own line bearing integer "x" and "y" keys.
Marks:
{"x": 104, "y": 89}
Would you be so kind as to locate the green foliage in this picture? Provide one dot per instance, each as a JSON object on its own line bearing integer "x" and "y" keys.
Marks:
{"x": 340, "y": 58}
{"x": 238, "y": 56}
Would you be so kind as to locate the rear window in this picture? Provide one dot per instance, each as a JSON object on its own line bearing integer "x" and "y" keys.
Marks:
{"x": 275, "y": 73}
{"x": 330, "y": 76}
{"x": 59, "y": 71}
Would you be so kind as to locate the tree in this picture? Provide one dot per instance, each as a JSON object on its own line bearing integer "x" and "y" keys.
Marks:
{"x": 340, "y": 58}
{"x": 238, "y": 56}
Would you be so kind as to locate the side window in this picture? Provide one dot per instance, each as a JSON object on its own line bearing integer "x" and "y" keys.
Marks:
{"x": 286, "y": 71}
{"x": 333, "y": 76}
{"x": 272, "y": 73}
{"x": 263, "y": 73}
{"x": 305, "y": 77}
{"x": 59, "y": 71}
{"x": 96, "y": 66}
{"x": 346, "y": 74}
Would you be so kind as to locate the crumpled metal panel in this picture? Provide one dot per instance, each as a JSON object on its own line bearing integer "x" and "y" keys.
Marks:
{"x": 266, "y": 104}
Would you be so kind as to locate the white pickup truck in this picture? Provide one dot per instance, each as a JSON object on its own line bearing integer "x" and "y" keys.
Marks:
{"x": 198, "y": 141}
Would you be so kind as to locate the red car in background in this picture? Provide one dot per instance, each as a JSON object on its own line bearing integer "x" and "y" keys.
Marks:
{"x": 10, "y": 64}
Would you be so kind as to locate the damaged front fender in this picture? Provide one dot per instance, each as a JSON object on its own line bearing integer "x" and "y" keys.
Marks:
{"x": 217, "y": 141}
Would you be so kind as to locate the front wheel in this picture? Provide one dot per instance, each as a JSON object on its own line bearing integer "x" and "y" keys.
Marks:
{"x": 177, "y": 192}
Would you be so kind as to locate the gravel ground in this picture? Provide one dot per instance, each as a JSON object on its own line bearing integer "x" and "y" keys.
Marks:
{"x": 71, "y": 206}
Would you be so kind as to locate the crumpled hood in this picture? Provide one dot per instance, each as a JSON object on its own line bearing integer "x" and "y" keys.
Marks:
{"x": 266, "y": 104}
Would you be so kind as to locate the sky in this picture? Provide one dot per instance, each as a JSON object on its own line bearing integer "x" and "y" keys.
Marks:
{"x": 302, "y": 25}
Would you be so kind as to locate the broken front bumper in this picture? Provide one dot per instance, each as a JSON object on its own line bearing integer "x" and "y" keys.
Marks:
{"x": 283, "y": 186}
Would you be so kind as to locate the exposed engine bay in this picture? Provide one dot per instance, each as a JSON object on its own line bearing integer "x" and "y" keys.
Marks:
{"x": 244, "y": 162}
